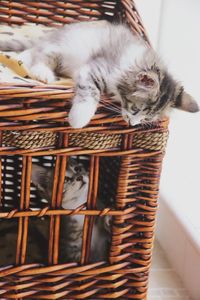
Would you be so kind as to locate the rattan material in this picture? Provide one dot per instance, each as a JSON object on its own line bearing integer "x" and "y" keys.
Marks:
{"x": 155, "y": 141}
{"x": 87, "y": 140}
{"x": 54, "y": 13}
{"x": 95, "y": 140}
{"x": 29, "y": 140}
{"x": 125, "y": 166}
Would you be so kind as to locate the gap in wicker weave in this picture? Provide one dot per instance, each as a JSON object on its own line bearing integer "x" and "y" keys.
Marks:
{"x": 8, "y": 241}
{"x": 11, "y": 181}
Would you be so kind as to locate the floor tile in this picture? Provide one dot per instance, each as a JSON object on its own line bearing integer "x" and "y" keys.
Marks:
{"x": 169, "y": 292}
{"x": 175, "y": 298}
{"x": 164, "y": 283}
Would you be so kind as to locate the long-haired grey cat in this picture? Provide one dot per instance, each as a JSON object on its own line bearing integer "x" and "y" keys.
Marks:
{"x": 105, "y": 58}
{"x": 74, "y": 195}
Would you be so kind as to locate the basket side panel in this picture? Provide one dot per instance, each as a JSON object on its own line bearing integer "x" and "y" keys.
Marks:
{"x": 55, "y": 13}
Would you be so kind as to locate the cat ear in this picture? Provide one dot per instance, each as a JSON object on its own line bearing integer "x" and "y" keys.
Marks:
{"x": 71, "y": 162}
{"x": 147, "y": 80}
{"x": 40, "y": 176}
{"x": 186, "y": 102}
{"x": 108, "y": 223}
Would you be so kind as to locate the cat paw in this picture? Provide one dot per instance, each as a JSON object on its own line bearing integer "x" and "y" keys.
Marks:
{"x": 81, "y": 113}
{"x": 42, "y": 73}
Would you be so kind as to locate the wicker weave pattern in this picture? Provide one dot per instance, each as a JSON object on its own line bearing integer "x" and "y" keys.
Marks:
{"x": 50, "y": 12}
{"x": 87, "y": 140}
{"x": 151, "y": 140}
{"x": 54, "y": 13}
{"x": 125, "y": 166}
{"x": 29, "y": 140}
{"x": 95, "y": 140}
{"x": 130, "y": 255}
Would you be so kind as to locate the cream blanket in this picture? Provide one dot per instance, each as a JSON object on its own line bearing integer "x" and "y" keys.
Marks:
{"x": 13, "y": 70}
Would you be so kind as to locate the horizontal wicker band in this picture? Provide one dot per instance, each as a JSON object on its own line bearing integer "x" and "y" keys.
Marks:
{"x": 29, "y": 139}
{"x": 39, "y": 139}
{"x": 155, "y": 141}
{"x": 91, "y": 140}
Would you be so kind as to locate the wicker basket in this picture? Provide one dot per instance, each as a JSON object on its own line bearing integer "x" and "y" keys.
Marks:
{"x": 125, "y": 165}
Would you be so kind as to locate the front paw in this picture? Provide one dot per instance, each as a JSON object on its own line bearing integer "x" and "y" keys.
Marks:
{"x": 42, "y": 73}
{"x": 81, "y": 113}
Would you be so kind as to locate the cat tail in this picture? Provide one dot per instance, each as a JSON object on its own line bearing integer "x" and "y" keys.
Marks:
{"x": 15, "y": 45}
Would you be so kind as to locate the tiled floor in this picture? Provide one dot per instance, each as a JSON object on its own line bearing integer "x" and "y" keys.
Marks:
{"x": 164, "y": 282}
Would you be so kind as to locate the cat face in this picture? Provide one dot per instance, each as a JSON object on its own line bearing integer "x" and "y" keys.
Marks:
{"x": 149, "y": 92}
{"x": 75, "y": 184}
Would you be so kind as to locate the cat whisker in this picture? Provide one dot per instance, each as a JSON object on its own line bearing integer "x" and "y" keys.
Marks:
{"x": 112, "y": 107}
{"x": 147, "y": 124}
{"x": 108, "y": 103}
{"x": 113, "y": 110}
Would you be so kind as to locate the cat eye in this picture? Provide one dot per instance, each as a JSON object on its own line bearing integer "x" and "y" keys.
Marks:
{"x": 77, "y": 169}
{"x": 135, "y": 110}
{"x": 67, "y": 179}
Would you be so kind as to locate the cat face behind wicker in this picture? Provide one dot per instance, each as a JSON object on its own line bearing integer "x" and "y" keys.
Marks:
{"x": 74, "y": 195}
{"x": 105, "y": 58}
{"x": 75, "y": 185}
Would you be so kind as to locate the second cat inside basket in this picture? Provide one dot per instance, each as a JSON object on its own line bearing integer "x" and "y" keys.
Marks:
{"x": 75, "y": 192}
{"x": 74, "y": 195}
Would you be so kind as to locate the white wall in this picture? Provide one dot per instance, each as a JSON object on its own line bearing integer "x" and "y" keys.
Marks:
{"x": 179, "y": 224}
{"x": 174, "y": 26}
{"x": 179, "y": 45}
{"x": 150, "y": 12}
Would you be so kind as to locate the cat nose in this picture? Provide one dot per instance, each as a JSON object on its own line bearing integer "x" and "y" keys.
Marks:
{"x": 79, "y": 178}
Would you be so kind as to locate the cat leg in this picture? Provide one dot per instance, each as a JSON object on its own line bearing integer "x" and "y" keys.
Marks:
{"x": 82, "y": 110}
{"x": 38, "y": 65}
{"x": 42, "y": 72}
{"x": 87, "y": 96}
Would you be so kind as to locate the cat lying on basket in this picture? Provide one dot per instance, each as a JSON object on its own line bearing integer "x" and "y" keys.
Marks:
{"x": 104, "y": 57}
{"x": 74, "y": 195}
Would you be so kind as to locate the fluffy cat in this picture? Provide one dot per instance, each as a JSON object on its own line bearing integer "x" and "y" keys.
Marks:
{"x": 74, "y": 194}
{"x": 103, "y": 57}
